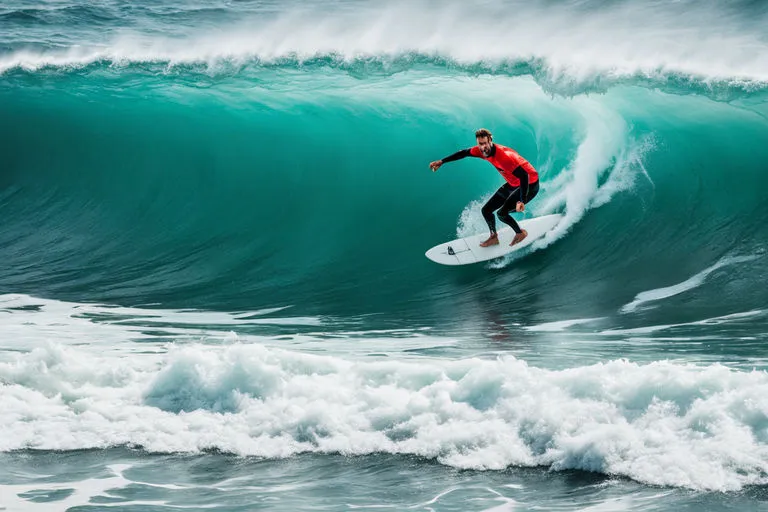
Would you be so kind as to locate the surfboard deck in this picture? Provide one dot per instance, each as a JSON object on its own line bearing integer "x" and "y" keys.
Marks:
{"x": 465, "y": 251}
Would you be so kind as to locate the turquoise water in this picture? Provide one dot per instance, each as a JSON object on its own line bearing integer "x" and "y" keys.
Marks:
{"x": 214, "y": 292}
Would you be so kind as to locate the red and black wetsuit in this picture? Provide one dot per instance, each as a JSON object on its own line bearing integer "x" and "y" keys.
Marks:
{"x": 522, "y": 182}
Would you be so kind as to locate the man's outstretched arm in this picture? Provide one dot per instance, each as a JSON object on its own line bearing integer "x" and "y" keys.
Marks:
{"x": 464, "y": 153}
{"x": 456, "y": 156}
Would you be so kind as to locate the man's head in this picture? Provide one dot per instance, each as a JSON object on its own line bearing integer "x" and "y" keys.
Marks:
{"x": 484, "y": 141}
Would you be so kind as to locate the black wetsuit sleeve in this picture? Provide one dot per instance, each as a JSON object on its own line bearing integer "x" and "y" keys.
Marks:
{"x": 458, "y": 155}
{"x": 520, "y": 173}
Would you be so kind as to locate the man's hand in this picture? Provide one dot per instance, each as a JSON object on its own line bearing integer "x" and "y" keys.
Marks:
{"x": 520, "y": 206}
{"x": 435, "y": 165}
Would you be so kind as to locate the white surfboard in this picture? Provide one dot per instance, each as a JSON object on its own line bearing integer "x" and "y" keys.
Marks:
{"x": 465, "y": 251}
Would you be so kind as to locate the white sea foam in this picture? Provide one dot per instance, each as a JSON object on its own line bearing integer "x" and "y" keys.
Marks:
{"x": 689, "y": 284}
{"x": 704, "y": 425}
{"x": 719, "y": 320}
{"x": 15, "y": 497}
{"x": 560, "y": 325}
{"x": 28, "y": 322}
{"x": 84, "y": 376}
{"x": 570, "y": 42}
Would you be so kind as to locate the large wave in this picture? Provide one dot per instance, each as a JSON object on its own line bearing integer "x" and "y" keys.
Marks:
{"x": 283, "y": 161}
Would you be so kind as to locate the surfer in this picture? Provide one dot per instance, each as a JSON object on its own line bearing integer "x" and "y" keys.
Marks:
{"x": 522, "y": 183}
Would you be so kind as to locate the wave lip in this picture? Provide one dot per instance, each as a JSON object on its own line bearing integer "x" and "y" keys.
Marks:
{"x": 566, "y": 45}
{"x": 554, "y": 77}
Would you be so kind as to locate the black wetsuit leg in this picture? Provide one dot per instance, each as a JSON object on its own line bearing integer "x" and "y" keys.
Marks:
{"x": 496, "y": 201}
{"x": 510, "y": 204}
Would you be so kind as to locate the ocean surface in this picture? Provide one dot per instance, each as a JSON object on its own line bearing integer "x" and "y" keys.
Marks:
{"x": 213, "y": 288}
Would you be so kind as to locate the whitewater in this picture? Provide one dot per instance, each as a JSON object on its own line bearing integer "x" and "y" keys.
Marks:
{"x": 213, "y": 289}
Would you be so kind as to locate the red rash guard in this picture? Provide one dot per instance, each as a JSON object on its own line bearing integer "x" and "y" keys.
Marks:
{"x": 506, "y": 160}
{"x": 516, "y": 170}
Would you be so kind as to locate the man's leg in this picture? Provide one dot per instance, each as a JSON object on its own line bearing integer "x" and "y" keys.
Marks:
{"x": 511, "y": 204}
{"x": 493, "y": 204}
{"x": 504, "y": 216}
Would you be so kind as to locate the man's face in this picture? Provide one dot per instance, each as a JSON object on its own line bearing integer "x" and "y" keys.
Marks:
{"x": 485, "y": 145}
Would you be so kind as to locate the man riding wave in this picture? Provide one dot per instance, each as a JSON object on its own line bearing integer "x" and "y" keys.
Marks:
{"x": 522, "y": 183}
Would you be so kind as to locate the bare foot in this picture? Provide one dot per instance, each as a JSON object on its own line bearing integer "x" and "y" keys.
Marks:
{"x": 492, "y": 240}
{"x": 519, "y": 237}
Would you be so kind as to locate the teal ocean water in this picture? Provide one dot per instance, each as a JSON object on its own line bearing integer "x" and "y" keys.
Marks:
{"x": 213, "y": 288}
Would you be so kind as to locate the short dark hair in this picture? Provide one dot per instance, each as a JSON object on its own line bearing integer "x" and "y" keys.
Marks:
{"x": 482, "y": 132}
